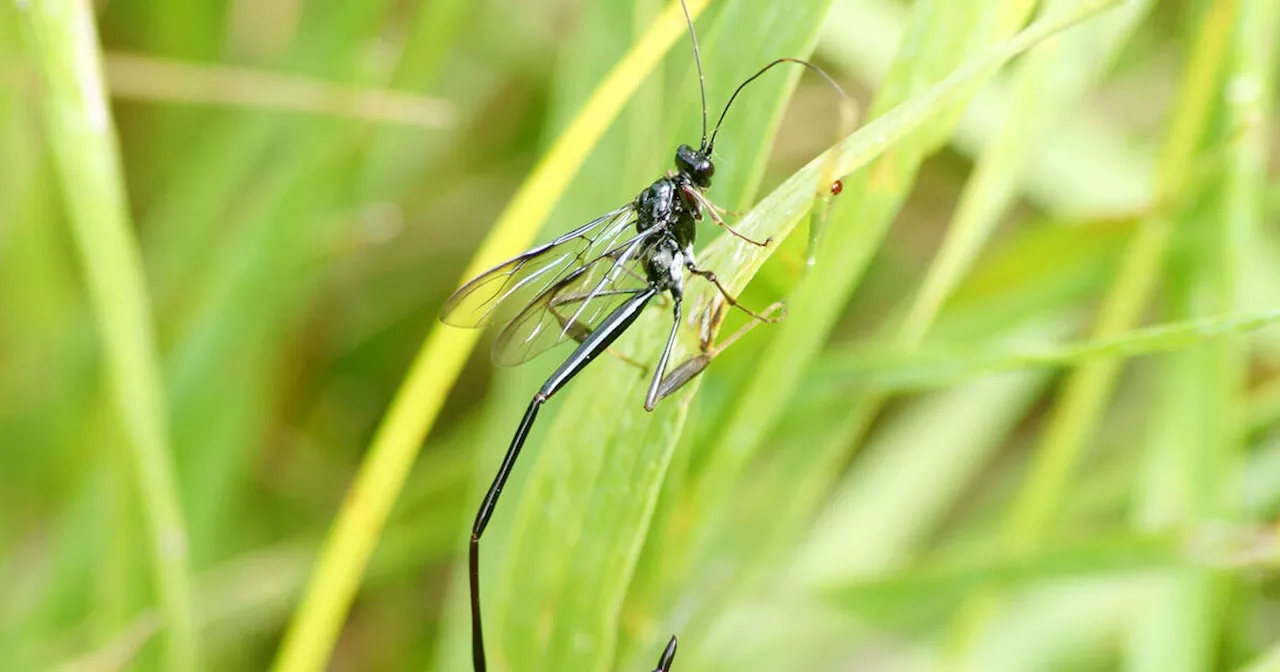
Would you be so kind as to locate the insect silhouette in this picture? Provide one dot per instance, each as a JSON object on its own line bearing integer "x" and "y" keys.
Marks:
{"x": 592, "y": 283}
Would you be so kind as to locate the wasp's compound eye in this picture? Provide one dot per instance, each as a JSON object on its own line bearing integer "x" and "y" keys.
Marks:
{"x": 696, "y": 165}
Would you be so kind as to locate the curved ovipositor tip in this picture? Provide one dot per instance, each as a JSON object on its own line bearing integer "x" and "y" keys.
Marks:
{"x": 668, "y": 655}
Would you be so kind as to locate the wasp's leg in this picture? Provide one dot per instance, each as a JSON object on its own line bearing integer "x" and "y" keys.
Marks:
{"x": 732, "y": 300}
{"x": 725, "y": 212}
{"x": 708, "y": 350}
{"x": 714, "y": 212}
{"x": 651, "y": 398}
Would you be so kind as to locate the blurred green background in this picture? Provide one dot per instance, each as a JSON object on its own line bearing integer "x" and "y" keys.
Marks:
{"x": 1024, "y": 413}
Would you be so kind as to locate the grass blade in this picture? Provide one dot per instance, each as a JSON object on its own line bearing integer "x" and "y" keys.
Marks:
{"x": 563, "y": 610}
{"x": 1048, "y": 83}
{"x": 64, "y": 40}
{"x": 1085, "y": 392}
{"x": 1191, "y": 460}
{"x": 1081, "y": 401}
{"x": 951, "y": 580}
{"x": 314, "y": 630}
{"x": 639, "y": 446}
{"x": 926, "y": 369}
{"x": 815, "y": 304}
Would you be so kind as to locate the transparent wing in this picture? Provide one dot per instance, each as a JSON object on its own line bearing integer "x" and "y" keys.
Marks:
{"x": 573, "y": 307}
{"x": 510, "y": 286}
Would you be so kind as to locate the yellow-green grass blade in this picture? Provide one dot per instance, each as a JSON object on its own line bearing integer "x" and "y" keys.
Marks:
{"x": 64, "y": 43}
{"x": 256, "y": 590}
{"x": 890, "y": 370}
{"x": 1047, "y": 84}
{"x": 1035, "y": 279}
{"x": 1085, "y": 167}
{"x": 312, "y": 634}
{"x": 949, "y": 579}
{"x": 1268, "y": 662}
{"x": 858, "y": 221}
{"x": 594, "y": 481}
{"x": 234, "y": 249}
{"x": 639, "y": 449}
{"x": 942, "y": 34}
{"x": 138, "y": 77}
{"x": 851, "y": 536}
{"x": 1250, "y": 94}
{"x": 1085, "y": 392}
{"x": 1195, "y": 442}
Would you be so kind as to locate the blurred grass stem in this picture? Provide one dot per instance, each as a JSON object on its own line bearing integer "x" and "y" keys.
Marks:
{"x": 137, "y": 77}
{"x": 79, "y": 127}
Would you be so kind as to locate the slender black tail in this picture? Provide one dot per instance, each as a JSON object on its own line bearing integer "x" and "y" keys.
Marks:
{"x": 601, "y": 338}
{"x": 482, "y": 521}
{"x": 477, "y": 633}
{"x": 669, "y": 655}
{"x": 500, "y": 479}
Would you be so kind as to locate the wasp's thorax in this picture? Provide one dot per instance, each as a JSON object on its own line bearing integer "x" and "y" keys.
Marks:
{"x": 695, "y": 165}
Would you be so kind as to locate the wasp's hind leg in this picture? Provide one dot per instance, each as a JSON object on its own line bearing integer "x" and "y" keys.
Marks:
{"x": 708, "y": 349}
{"x": 732, "y": 300}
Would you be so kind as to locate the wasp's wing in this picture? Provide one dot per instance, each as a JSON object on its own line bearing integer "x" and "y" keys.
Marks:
{"x": 573, "y": 307}
{"x": 511, "y": 285}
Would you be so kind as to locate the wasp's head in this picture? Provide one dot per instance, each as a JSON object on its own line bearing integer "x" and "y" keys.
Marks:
{"x": 695, "y": 165}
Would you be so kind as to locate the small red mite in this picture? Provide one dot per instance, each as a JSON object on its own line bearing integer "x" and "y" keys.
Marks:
{"x": 837, "y": 187}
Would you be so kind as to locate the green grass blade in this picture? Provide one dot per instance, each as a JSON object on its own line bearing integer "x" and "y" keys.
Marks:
{"x": 135, "y": 77}
{"x": 256, "y": 590}
{"x": 1048, "y": 83}
{"x": 1191, "y": 460}
{"x": 641, "y": 445}
{"x": 1085, "y": 392}
{"x": 939, "y": 443}
{"x": 896, "y": 372}
{"x": 301, "y": 215}
{"x": 950, "y": 580}
{"x": 1083, "y": 168}
{"x": 79, "y": 126}
{"x": 1268, "y": 662}
{"x": 557, "y": 611}
{"x": 1059, "y": 627}
{"x": 1252, "y": 105}
{"x": 311, "y": 636}
{"x": 849, "y": 241}
{"x": 939, "y": 36}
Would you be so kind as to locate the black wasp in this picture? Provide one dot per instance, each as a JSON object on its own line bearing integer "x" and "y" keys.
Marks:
{"x": 589, "y": 285}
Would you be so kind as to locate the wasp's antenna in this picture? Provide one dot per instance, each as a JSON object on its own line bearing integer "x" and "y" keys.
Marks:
{"x": 847, "y": 103}
{"x": 697, "y": 59}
